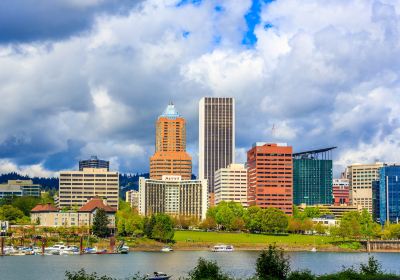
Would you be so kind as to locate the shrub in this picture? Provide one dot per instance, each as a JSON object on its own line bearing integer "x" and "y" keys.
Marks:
{"x": 272, "y": 264}
{"x": 207, "y": 270}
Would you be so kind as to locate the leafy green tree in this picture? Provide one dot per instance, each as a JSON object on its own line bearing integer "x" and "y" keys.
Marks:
{"x": 301, "y": 275}
{"x": 149, "y": 224}
{"x": 274, "y": 220}
{"x": 11, "y": 214}
{"x": 83, "y": 275}
{"x": 207, "y": 270}
{"x": 272, "y": 265}
{"x": 25, "y": 203}
{"x": 129, "y": 222}
{"x": 366, "y": 224}
{"x": 225, "y": 214}
{"x": 253, "y": 219}
{"x": 350, "y": 226}
{"x": 100, "y": 223}
{"x": 208, "y": 223}
{"x": 163, "y": 229}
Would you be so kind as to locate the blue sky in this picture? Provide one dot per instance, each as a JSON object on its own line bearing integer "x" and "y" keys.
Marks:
{"x": 91, "y": 76}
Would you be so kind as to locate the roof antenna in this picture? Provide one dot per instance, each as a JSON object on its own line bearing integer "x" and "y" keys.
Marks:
{"x": 171, "y": 103}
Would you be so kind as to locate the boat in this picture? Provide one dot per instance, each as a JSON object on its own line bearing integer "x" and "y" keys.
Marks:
{"x": 166, "y": 249}
{"x": 223, "y": 248}
{"x": 123, "y": 249}
{"x": 90, "y": 250}
{"x": 314, "y": 249}
{"x": 159, "y": 276}
{"x": 55, "y": 249}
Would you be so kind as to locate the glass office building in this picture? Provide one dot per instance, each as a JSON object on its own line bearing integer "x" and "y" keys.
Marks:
{"x": 389, "y": 194}
{"x": 312, "y": 177}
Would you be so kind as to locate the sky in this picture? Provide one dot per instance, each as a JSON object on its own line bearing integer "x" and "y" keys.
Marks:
{"x": 89, "y": 77}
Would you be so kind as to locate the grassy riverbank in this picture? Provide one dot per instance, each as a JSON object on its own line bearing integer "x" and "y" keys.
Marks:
{"x": 199, "y": 240}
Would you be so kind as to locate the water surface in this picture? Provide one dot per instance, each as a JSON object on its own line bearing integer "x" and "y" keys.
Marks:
{"x": 239, "y": 264}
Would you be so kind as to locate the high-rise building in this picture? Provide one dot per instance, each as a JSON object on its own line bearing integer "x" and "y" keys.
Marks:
{"x": 170, "y": 157}
{"x": 216, "y": 136}
{"x": 361, "y": 177}
{"x": 132, "y": 197}
{"x": 389, "y": 194}
{"x": 270, "y": 176}
{"x": 312, "y": 177}
{"x": 76, "y": 188}
{"x": 341, "y": 191}
{"x": 19, "y": 188}
{"x": 94, "y": 162}
{"x": 173, "y": 196}
{"x": 231, "y": 184}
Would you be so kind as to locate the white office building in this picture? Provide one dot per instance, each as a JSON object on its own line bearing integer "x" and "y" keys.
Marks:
{"x": 231, "y": 184}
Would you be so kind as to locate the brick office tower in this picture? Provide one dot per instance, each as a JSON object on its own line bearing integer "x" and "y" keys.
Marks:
{"x": 170, "y": 157}
{"x": 270, "y": 176}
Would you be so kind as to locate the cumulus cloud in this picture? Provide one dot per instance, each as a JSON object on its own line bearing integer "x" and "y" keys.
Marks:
{"x": 319, "y": 74}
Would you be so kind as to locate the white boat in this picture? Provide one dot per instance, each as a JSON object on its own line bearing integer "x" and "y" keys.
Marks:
{"x": 223, "y": 248}
{"x": 55, "y": 249}
{"x": 123, "y": 249}
{"x": 314, "y": 249}
{"x": 9, "y": 250}
{"x": 167, "y": 249}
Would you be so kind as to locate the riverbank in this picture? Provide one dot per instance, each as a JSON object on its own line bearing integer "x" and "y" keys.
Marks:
{"x": 204, "y": 241}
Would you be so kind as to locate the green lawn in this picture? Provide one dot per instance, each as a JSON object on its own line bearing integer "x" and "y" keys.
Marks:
{"x": 247, "y": 238}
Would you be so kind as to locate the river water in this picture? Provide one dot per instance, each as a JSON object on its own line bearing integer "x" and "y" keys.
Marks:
{"x": 239, "y": 264}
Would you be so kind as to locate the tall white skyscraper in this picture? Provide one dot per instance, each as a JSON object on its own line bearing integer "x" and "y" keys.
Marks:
{"x": 216, "y": 136}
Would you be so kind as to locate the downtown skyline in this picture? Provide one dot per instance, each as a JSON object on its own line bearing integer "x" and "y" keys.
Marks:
{"x": 289, "y": 83}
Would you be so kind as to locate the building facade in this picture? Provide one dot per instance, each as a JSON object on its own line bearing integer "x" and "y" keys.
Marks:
{"x": 216, "y": 136}
{"x": 49, "y": 216}
{"x": 19, "y": 188}
{"x": 270, "y": 176}
{"x": 361, "y": 177}
{"x": 389, "y": 194}
{"x": 312, "y": 177}
{"x": 174, "y": 196}
{"x": 231, "y": 184}
{"x": 94, "y": 162}
{"x": 170, "y": 157}
{"x": 132, "y": 197}
{"x": 341, "y": 191}
{"x": 76, "y": 188}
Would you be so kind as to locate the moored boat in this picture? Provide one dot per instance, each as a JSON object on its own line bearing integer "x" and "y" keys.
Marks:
{"x": 166, "y": 249}
{"x": 159, "y": 276}
{"x": 223, "y": 248}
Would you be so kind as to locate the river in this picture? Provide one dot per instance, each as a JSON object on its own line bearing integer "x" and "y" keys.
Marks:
{"x": 239, "y": 264}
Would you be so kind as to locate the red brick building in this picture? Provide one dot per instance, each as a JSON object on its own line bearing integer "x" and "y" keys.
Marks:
{"x": 270, "y": 176}
{"x": 341, "y": 191}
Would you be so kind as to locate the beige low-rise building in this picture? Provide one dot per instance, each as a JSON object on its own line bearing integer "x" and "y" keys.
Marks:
{"x": 47, "y": 215}
{"x": 78, "y": 187}
{"x": 231, "y": 184}
{"x": 361, "y": 177}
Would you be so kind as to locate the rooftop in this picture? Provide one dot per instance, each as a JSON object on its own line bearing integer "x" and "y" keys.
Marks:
{"x": 170, "y": 112}
{"x": 45, "y": 208}
{"x": 96, "y": 203}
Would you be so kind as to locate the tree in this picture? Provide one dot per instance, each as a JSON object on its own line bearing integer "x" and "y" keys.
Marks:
{"x": 163, "y": 229}
{"x": 11, "y": 214}
{"x": 253, "y": 219}
{"x": 350, "y": 225}
{"x": 100, "y": 223}
{"x": 25, "y": 203}
{"x": 373, "y": 267}
{"x": 274, "y": 220}
{"x": 225, "y": 214}
{"x": 149, "y": 225}
{"x": 208, "y": 223}
{"x": 366, "y": 224}
{"x": 207, "y": 270}
{"x": 272, "y": 264}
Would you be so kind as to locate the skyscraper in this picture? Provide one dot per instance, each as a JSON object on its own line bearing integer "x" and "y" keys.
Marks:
{"x": 170, "y": 157}
{"x": 361, "y": 177}
{"x": 270, "y": 176}
{"x": 312, "y": 177}
{"x": 389, "y": 194}
{"x": 216, "y": 136}
{"x": 94, "y": 162}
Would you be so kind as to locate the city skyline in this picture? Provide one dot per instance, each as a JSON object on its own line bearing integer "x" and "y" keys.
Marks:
{"x": 126, "y": 61}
